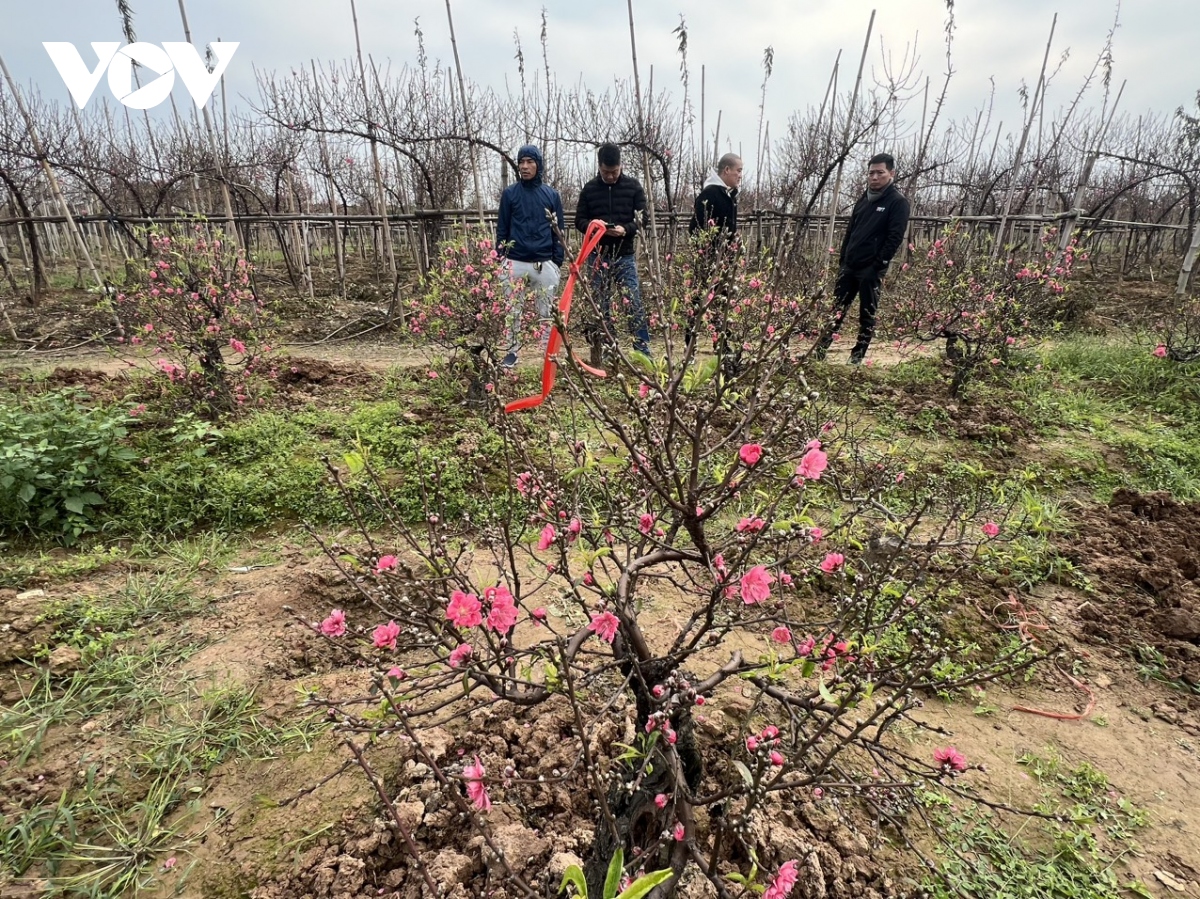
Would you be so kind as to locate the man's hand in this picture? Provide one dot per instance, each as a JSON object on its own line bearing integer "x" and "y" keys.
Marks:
{"x": 615, "y": 231}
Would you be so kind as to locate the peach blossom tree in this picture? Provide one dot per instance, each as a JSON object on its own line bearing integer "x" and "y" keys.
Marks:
{"x": 720, "y": 593}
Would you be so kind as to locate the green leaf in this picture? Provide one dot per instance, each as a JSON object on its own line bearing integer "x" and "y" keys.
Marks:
{"x": 355, "y": 461}
{"x": 745, "y": 772}
{"x": 645, "y": 884}
{"x": 26, "y": 493}
{"x": 612, "y": 881}
{"x": 699, "y": 375}
{"x": 574, "y": 876}
{"x": 825, "y": 694}
{"x": 74, "y": 504}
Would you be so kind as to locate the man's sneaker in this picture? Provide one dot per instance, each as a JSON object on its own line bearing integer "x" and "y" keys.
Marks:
{"x": 643, "y": 348}
{"x": 856, "y": 357}
{"x": 509, "y": 361}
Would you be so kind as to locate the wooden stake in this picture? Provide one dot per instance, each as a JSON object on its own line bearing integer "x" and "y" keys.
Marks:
{"x": 462, "y": 92}
{"x": 1016, "y": 170}
{"x": 845, "y": 150}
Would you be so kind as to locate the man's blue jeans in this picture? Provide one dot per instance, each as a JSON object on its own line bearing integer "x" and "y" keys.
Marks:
{"x": 617, "y": 276}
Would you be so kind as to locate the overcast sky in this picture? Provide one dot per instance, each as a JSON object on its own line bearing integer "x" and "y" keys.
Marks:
{"x": 1155, "y": 48}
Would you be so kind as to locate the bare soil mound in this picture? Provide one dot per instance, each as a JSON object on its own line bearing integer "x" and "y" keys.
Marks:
{"x": 1142, "y": 553}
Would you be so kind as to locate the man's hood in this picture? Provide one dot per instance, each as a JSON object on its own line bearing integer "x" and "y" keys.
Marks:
{"x": 714, "y": 178}
{"x": 536, "y": 155}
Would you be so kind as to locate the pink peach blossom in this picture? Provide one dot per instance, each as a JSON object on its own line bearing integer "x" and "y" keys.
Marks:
{"x": 950, "y": 758}
{"x": 460, "y": 654}
{"x": 604, "y": 625}
{"x": 385, "y": 635}
{"x": 832, "y": 562}
{"x": 476, "y": 789}
{"x": 812, "y": 465}
{"x": 335, "y": 624}
{"x": 503, "y": 615}
{"x": 785, "y": 880}
{"x": 750, "y": 453}
{"x": 464, "y": 609}
{"x": 756, "y": 585}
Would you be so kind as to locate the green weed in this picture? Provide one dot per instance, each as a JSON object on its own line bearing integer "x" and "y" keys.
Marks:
{"x": 55, "y": 458}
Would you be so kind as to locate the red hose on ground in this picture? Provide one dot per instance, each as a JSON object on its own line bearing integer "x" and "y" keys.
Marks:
{"x": 1023, "y": 626}
{"x": 591, "y": 240}
{"x": 1062, "y": 716}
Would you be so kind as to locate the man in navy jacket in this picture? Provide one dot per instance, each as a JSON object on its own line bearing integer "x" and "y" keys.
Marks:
{"x": 620, "y": 202}
{"x": 524, "y": 236}
{"x": 873, "y": 235}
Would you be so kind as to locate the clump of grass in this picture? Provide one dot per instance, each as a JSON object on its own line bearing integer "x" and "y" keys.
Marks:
{"x": 1072, "y": 853}
{"x": 163, "y": 737}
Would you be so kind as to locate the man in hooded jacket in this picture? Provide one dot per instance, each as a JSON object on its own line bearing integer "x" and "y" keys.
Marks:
{"x": 716, "y": 204}
{"x": 715, "y": 217}
{"x": 524, "y": 236}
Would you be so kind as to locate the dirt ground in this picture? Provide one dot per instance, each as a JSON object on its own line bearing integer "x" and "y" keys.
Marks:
{"x": 261, "y": 832}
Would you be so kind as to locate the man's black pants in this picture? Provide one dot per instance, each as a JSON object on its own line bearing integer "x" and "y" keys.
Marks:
{"x": 864, "y": 285}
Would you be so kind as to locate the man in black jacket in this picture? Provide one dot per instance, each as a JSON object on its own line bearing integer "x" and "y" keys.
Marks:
{"x": 620, "y": 202}
{"x": 716, "y": 204}
{"x": 873, "y": 235}
{"x": 714, "y": 216}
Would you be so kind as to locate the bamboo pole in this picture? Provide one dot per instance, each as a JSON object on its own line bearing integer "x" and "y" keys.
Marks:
{"x": 716, "y": 154}
{"x": 1016, "y": 170}
{"x": 330, "y": 187}
{"x": 1189, "y": 262}
{"x": 377, "y": 170}
{"x": 1074, "y": 213}
{"x": 703, "y": 134}
{"x": 219, "y": 158}
{"x": 641, "y": 113}
{"x": 466, "y": 112}
{"x": 837, "y": 182}
{"x": 768, "y": 65}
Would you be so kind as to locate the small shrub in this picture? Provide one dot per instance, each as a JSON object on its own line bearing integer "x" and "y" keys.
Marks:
{"x": 983, "y": 308}
{"x": 195, "y": 319}
{"x": 54, "y": 461}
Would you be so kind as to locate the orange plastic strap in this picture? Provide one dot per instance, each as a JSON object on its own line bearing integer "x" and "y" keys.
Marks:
{"x": 591, "y": 240}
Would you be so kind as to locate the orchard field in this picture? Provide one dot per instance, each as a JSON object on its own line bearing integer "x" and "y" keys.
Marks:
{"x": 295, "y": 603}
{"x": 913, "y": 643}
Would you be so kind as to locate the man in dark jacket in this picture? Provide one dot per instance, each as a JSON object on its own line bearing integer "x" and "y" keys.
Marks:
{"x": 524, "y": 236}
{"x": 714, "y": 216}
{"x": 619, "y": 201}
{"x": 873, "y": 235}
{"x": 716, "y": 204}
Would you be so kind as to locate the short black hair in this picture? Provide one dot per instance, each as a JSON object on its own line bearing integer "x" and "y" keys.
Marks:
{"x": 609, "y": 154}
{"x": 886, "y": 158}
